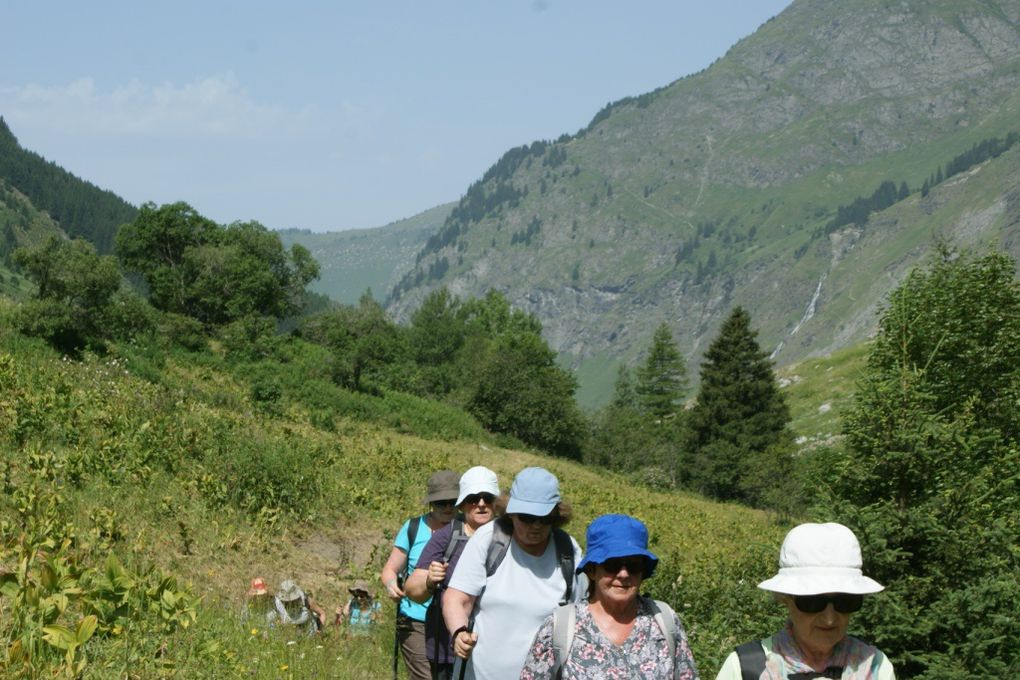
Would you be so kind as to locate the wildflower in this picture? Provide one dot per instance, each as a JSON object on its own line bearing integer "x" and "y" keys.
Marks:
{"x": 284, "y": 667}
{"x": 254, "y": 631}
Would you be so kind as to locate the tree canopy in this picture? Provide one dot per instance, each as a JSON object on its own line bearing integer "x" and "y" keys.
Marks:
{"x": 930, "y": 479}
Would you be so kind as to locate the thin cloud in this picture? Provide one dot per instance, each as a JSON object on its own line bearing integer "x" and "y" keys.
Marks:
{"x": 208, "y": 107}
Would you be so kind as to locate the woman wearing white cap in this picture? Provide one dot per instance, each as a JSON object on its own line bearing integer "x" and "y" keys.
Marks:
{"x": 534, "y": 574}
{"x": 479, "y": 488}
{"x": 821, "y": 583}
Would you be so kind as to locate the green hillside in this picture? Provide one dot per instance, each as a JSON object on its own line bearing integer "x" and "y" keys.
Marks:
{"x": 80, "y": 208}
{"x": 354, "y": 261}
{"x": 169, "y": 463}
{"x": 725, "y": 187}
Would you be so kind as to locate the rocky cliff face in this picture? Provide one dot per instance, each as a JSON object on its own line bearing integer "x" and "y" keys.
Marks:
{"x": 719, "y": 189}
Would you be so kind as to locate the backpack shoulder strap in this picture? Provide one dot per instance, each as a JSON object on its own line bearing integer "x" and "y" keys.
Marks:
{"x": 502, "y": 531}
{"x": 666, "y": 618}
{"x": 563, "y": 622}
{"x": 412, "y": 536}
{"x": 565, "y": 557}
{"x": 752, "y": 660}
{"x": 456, "y": 537}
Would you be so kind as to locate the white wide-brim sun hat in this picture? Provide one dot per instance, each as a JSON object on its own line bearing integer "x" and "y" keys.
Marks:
{"x": 820, "y": 558}
{"x": 478, "y": 479}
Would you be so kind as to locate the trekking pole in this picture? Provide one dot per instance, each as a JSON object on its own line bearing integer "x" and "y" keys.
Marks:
{"x": 396, "y": 632}
{"x": 463, "y": 662}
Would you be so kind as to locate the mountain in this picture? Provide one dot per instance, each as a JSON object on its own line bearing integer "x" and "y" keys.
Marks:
{"x": 80, "y": 208}
{"x": 733, "y": 186}
{"x": 354, "y": 261}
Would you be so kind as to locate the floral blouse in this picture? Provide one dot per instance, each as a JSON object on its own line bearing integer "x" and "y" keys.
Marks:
{"x": 593, "y": 657}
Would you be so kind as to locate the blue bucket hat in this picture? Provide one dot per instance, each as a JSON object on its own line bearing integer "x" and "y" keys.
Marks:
{"x": 535, "y": 491}
{"x": 612, "y": 536}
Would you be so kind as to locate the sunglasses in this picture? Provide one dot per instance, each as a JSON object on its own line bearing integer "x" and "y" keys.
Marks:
{"x": 547, "y": 520}
{"x": 844, "y": 603}
{"x": 476, "y": 498}
{"x": 444, "y": 504}
{"x": 634, "y": 565}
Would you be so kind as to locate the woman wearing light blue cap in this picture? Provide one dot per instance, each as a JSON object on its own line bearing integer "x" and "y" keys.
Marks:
{"x": 512, "y": 573}
{"x": 617, "y": 633}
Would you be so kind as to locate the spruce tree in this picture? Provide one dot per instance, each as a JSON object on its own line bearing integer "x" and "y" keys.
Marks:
{"x": 740, "y": 420}
{"x": 662, "y": 379}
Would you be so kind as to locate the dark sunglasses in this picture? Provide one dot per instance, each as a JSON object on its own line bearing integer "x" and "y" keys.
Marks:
{"x": 548, "y": 520}
{"x": 444, "y": 504}
{"x": 634, "y": 565}
{"x": 474, "y": 498}
{"x": 844, "y": 603}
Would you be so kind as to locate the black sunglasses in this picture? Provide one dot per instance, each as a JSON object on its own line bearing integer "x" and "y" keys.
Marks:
{"x": 634, "y": 565}
{"x": 474, "y": 498}
{"x": 844, "y": 603}
{"x": 536, "y": 519}
{"x": 449, "y": 503}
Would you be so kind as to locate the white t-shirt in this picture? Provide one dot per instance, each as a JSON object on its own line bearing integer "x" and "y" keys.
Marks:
{"x": 518, "y": 597}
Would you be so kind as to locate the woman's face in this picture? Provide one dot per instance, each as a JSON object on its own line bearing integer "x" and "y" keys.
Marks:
{"x": 532, "y": 532}
{"x": 444, "y": 511}
{"x": 817, "y": 633}
{"x": 618, "y": 580}
{"x": 477, "y": 509}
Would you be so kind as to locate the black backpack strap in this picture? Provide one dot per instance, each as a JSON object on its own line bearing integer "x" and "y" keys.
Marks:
{"x": 565, "y": 558}
{"x": 752, "y": 660}
{"x": 412, "y": 536}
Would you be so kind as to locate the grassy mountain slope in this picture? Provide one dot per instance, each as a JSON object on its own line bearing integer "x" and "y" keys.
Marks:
{"x": 354, "y": 261}
{"x": 174, "y": 462}
{"x": 719, "y": 188}
{"x": 80, "y": 208}
{"x": 21, "y": 224}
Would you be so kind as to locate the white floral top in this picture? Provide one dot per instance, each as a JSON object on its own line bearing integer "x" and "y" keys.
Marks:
{"x": 643, "y": 655}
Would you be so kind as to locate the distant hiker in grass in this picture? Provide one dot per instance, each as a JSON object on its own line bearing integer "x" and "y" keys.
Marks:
{"x": 479, "y": 488}
{"x": 512, "y": 574}
{"x": 821, "y": 584}
{"x": 443, "y": 487}
{"x": 292, "y": 607}
{"x": 361, "y": 612}
{"x": 616, "y": 633}
{"x": 257, "y": 603}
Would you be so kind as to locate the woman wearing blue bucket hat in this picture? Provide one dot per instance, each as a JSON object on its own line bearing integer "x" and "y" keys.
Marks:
{"x": 617, "y": 633}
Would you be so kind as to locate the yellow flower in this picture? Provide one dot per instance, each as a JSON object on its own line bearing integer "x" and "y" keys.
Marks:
{"x": 254, "y": 631}
{"x": 284, "y": 667}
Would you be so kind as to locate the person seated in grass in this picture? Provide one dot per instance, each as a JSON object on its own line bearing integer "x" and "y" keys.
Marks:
{"x": 257, "y": 603}
{"x": 361, "y": 612}
{"x": 292, "y": 607}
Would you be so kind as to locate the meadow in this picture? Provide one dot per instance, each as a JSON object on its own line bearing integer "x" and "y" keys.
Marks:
{"x": 143, "y": 492}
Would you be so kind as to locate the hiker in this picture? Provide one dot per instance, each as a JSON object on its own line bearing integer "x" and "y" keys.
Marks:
{"x": 512, "y": 574}
{"x": 257, "y": 602}
{"x": 479, "y": 488}
{"x": 821, "y": 584}
{"x": 292, "y": 607}
{"x": 616, "y": 633}
{"x": 361, "y": 612}
{"x": 443, "y": 487}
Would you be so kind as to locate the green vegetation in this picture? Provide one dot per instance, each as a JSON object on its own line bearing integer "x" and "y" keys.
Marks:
{"x": 82, "y": 209}
{"x": 930, "y": 473}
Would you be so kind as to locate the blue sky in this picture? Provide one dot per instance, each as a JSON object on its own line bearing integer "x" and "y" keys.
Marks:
{"x": 331, "y": 115}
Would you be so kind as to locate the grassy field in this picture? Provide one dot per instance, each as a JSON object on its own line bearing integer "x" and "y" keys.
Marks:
{"x": 183, "y": 475}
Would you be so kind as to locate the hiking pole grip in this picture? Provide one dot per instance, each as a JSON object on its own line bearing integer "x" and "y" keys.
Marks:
{"x": 463, "y": 662}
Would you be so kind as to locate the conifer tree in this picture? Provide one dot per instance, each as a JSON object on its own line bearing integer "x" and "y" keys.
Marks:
{"x": 662, "y": 380}
{"x": 740, "y": 419}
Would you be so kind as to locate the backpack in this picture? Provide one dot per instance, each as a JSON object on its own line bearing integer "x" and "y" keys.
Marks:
{"x": 502, "y": 532}
{"x": 565, "y": 619}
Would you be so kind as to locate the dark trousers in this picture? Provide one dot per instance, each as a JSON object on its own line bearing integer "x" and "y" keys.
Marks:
{"x": 441, "y": 671}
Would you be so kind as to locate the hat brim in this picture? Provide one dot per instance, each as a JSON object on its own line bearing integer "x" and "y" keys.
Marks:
{"x": 817, "y": 581}
{"x": 518, "y": 507}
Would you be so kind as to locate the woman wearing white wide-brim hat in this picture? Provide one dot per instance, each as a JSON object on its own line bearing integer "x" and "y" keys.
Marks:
{"x": 821, "y": 584}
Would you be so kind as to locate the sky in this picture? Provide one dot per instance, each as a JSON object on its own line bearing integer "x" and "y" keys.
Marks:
{"x": 331, "y": 115}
